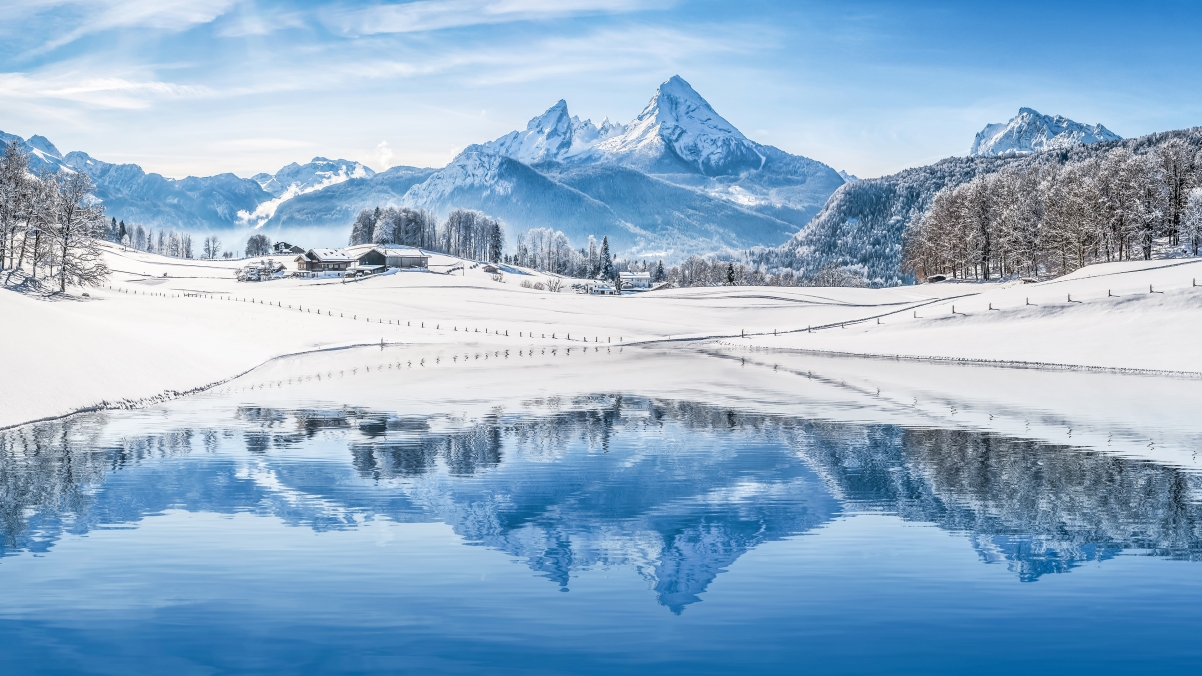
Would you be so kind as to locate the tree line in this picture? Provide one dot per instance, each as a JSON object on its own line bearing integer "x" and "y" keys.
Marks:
{"x": 1051, "y": 218}
{"x": 49, "y": 224}
{"x": 465, "y": 233}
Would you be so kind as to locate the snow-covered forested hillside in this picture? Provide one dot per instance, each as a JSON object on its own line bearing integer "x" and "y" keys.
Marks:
{"x": 1052, "y": 219}
{"x": 861, "y": 228}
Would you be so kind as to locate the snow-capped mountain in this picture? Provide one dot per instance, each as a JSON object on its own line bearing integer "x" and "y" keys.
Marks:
{"x": 1032, "y": 132}
{"x": 43, "y": 155}
{"x": 318, "y": 173}
{"x": 300, "y": 179}
{"x": 714, "y": 188}
{"x": 679, "y": 131}
{"x": 554, "y": 135}
{"x": 678, "y": 180}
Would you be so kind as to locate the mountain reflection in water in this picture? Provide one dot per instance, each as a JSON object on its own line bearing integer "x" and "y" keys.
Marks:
{"x": 677, "y": 490}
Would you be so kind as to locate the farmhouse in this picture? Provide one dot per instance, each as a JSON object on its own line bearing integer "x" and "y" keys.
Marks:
{"x": 323, "y": 260}
{"x": 393, "y": 256}
{"x": 635, "y": 280}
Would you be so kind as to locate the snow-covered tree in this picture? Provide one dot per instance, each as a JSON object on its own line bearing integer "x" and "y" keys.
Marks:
{"x": 258, "y": 245}
{"x": 1191, "y": 221}
{"x": 606, "y": 263}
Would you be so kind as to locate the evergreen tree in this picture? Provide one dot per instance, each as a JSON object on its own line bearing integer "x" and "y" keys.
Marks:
{"x": 607, "y": 263}
{"x": 659, "y": 272}
{"x": 730, "y": 274}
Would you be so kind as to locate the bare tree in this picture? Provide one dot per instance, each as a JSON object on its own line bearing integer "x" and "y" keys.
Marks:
{"x": 79, "y": 224}
{"x": 212, "y": 247}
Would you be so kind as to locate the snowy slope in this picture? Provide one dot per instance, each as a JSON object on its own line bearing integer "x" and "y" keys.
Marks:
{"x": 521, "y": 197}
{"x": 316, "y": 174}
{"x": 1032, "y": 132}
{"x": 295, "y": 180}
{"x": 322, "y": 215}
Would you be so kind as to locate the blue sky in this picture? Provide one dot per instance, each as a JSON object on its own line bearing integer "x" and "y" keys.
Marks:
{"x": 205, "y": 86}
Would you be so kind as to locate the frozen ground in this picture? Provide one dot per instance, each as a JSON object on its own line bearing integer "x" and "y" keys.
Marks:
{"x": 151, "y": 337}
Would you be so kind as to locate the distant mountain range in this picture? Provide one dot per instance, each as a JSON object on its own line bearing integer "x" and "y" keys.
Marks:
{"x": 677, "y": 180}
{"x": 1032, "y": 132}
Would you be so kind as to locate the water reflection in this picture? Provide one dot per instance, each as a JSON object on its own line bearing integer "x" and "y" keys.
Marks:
{"x": 677, "y": 490}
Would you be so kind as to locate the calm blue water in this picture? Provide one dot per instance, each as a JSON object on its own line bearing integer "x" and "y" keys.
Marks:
{"x": 596, "y": 536}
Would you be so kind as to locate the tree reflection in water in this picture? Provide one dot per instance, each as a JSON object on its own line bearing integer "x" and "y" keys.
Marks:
{"x": 677, "y": 490}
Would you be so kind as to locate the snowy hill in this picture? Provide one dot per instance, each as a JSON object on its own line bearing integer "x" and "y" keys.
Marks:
{"x": 1031, "y": 132}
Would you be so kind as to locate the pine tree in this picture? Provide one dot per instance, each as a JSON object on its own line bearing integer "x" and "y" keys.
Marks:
{"x": 607, "y": 263}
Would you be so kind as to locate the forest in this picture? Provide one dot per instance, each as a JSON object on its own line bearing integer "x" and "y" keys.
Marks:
{"x": 1048, "y": 219}
{"x": 466, "y": 234}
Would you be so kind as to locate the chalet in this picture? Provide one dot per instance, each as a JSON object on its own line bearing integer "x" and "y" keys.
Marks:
{"x": 602, "y": 290}
{"x": 316, "y": 261}
{"x": 635, "y": 280}
{"x": 369, "y": 262}
{"x": 394, "y": 256}
{"x": 284, "y": 248}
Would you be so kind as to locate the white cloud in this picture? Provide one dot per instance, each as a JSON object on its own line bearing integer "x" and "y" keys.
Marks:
{"x": 93, "y": 16}
{"x": 253, "y": 144}
{"x": 95, "y": 91}
{"x": 428, "y": 15}
{"x": 383, "y": 155}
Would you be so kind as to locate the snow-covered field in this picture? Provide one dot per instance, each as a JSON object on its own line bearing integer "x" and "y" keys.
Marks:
{"x": 1137, "y": 315}
{"x": 463, "y": 340}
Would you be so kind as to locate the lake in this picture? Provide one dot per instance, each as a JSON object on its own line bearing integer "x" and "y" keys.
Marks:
{"x": 591, "y": 533}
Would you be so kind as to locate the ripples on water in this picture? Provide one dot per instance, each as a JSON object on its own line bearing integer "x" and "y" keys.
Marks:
{"x": 687, "y": 537}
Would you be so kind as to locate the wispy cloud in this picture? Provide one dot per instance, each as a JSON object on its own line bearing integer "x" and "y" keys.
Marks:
{"x": 96, "y": 91}
{"x": 245, "y": 144}
{"x": 429, "y": 15}
{"x": 83, "y": 17}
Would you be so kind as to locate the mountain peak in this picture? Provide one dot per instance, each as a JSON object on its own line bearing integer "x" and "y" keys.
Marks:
{"x": 549, "y": 136}
{"x": 39, "y": 142}
{"x": 552, "y": 119}
{"x": 679, "y": 131}
{"x": 676, "y": 102}
{"x": 1031, "y": 132}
